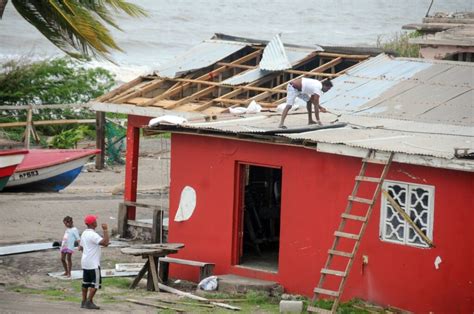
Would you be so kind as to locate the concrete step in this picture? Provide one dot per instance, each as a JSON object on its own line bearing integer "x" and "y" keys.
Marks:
{"x": 238, "y": 284}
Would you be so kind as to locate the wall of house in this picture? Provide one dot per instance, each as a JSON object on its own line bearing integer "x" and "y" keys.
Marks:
{"x": 315, "y": 187}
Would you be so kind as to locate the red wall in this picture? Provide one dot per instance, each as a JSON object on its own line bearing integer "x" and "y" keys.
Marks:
{"x": 315, "y": 187}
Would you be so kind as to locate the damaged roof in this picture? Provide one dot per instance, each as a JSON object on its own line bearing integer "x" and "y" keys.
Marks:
{"x": 414, "y": 107}
{"x": 411, "y": 106}
{"x": 224, "y": 72}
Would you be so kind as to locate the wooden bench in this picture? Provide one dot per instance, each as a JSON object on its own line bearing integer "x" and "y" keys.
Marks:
{"x": 205, "y": 269}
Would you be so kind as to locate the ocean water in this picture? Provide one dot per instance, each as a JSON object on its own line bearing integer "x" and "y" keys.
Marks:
{"x": 175, "y": 25}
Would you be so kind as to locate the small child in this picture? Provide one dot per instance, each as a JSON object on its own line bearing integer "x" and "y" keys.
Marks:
{"x": 71, "y": 237}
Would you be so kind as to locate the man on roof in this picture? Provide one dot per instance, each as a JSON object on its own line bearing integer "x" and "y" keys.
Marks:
{"x": 309, "y": 90}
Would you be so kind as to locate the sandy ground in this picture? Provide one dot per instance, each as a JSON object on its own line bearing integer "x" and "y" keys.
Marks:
{"x": 37, "y": 217}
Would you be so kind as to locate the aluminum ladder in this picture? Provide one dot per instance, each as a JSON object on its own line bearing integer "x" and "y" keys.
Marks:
{"x": 356, "y": 238}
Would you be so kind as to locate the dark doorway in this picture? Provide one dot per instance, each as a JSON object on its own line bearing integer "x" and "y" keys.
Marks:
{"x": 260, "y": 223}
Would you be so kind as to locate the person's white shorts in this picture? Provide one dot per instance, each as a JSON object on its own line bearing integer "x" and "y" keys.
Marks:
{"x": 292, "y": 93}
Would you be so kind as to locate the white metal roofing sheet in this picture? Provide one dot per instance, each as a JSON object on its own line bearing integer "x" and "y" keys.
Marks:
{"x": 295, "y": 55}
{"x": 274, "y": 56}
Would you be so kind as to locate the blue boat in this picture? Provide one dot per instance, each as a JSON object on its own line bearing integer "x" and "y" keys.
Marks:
{"x": 48, "y": 170}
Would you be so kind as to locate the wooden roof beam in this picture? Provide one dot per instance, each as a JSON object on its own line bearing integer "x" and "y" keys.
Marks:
{"x": 342, "y": 55}
{"x": 175, "y": 90}
{"x": 119, "y": 90}
{"x": 218, "y": 84}
{"x": 306, "y": 73}
{"x": 321, "y": 68}
{"x": 282, "y": 100}
{"x": 138, "y": 91}
{"x": 198, "y": 94}
{"x": 234, "y": 93}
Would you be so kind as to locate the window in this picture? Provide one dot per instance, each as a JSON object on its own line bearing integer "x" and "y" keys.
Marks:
{"x": 417, "y": 201}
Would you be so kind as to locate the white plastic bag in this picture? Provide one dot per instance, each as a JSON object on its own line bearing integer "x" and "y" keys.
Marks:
{"x": 167, "y": 119}
{"x": 238, "y": 110}
{"x": 208, "y": 284}
{"x": 253, "y": 107}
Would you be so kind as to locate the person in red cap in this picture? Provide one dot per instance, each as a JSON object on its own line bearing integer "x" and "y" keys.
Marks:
{"x": 90, "y": 247}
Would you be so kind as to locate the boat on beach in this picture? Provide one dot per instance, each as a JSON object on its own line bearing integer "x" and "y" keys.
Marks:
{"x": 48, "y": 170}
{"x": 9, "y": 160}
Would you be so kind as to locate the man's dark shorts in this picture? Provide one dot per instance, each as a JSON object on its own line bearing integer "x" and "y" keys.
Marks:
{"x": 91, "y": 278}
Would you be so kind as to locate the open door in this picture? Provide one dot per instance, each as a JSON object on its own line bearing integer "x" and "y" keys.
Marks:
{"x": 258, "y": 217}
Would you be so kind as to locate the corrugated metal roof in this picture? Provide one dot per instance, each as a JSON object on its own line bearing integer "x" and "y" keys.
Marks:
{"x": 408, "y": 89}
{"x": 274, "y": 56}
{"x": 411, "y": 106}
{"x": 295, "y": 55}
{"x": 200, "y": 56}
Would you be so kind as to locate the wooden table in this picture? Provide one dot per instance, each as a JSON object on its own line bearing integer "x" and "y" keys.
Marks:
{"x": 151, "y": 252}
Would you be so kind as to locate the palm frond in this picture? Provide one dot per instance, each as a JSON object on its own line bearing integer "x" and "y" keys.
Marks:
{"x": 77, "y": 25}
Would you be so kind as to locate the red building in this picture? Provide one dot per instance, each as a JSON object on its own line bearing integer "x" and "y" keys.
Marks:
{"x": 263, "y": 203}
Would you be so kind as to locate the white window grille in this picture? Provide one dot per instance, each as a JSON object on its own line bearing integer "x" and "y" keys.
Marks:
{"x": 418, "y": 202}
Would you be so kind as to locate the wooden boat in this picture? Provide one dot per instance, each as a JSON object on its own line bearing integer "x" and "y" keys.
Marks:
{"x": 48, "y": 170}
{"x": 9, "y": 160}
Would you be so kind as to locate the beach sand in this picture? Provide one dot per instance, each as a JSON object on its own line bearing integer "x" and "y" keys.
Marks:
{"x": 37, "y": 217}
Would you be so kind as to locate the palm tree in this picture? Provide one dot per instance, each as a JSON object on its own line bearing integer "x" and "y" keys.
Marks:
{"x": 77, "y": 27}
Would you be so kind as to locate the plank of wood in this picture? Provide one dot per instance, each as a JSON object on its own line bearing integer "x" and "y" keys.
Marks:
{"x": 340, "y": 253}
{"x": 326, "y": 292}
{"x": 219, "y": 84}
{"x": 320, "y": 68}
{"x": 165, "y": 246}
{"x": 40, "y": 107}
{"x": 368, "y": 179}
{"x": 100, "y": 139}
{"x": 139, "y": 90}
{"x": 333, "y": 272}
{"x": 154, "y": 274}
{"x": 407, "y": 218}
{"x": 198, "y": 94}
{"x": 342, "y": 55}
{"x": 179, "y": 86}
{"x": 120, "y": 89}
{"x": 195, "y": 297}
{"x": 353, "y": 217}
{"x": 140, "y": 275}
{"x": 186, "y": 303}
{"x": 184, "y": 261}
{"x": 313, "y": 309}
{"x": 47, "y": 122}
{"x": 447, "y": 20}
{"x": 181, "y": 293}
{"x": 360, "y": 200}
{"x": 155, "y": 305}
{"x": 306, "y": 73}
{"x": 346, "y": 235}
{"x": 228, "y": 300}
{"x": 129, "y": 203}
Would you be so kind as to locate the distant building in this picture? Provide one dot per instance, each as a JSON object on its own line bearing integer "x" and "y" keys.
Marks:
{"x": 446, "y": 36}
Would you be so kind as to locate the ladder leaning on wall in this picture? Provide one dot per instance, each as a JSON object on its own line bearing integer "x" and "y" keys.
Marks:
{"x": 356, "y": 238}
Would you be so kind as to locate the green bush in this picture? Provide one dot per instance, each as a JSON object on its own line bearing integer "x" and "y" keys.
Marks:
{"x": 399, "y": 44}
{"x": 69, "y": 138}
{"x": 54, "y": 81}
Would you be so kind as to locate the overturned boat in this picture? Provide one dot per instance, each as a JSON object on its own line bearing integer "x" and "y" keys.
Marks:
{"x": 48, "y": 170}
